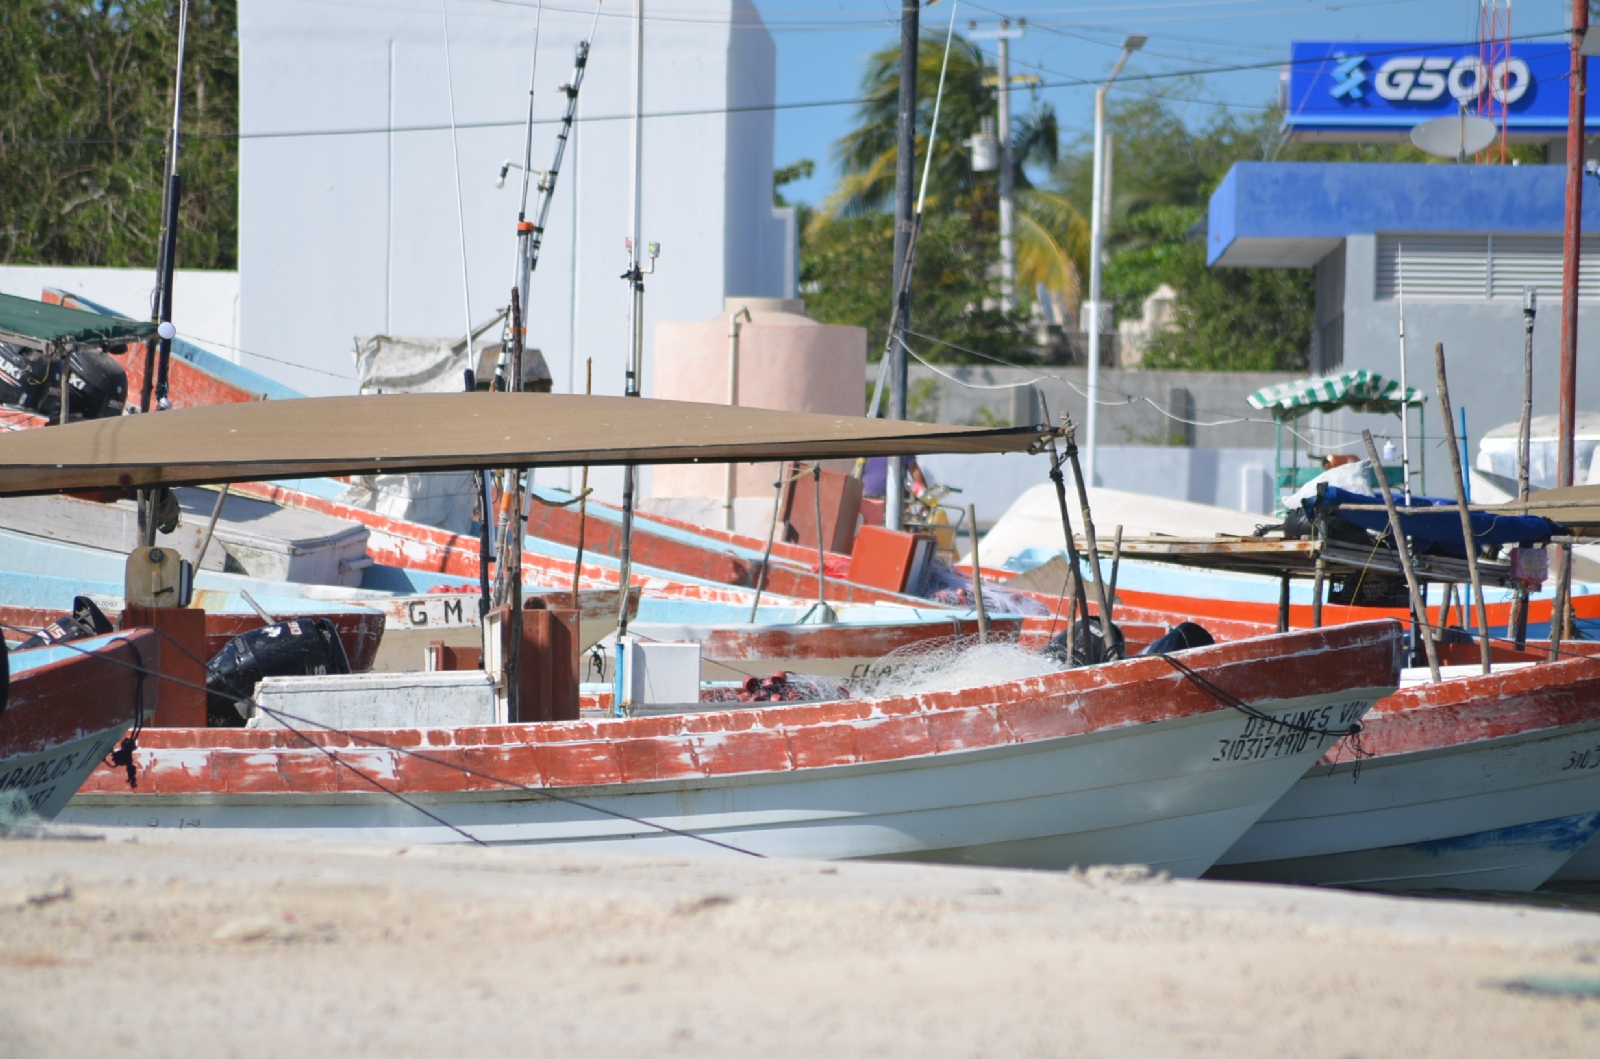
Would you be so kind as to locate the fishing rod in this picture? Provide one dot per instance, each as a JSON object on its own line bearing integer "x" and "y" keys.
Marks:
{"x": 167, "y": 248}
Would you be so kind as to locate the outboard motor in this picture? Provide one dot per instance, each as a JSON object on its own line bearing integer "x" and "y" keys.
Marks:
{"x": 86, "y": 620}
{"x": 1180, "y": 638}
{"x": 297, "y": 648}
{"x": 1088, "y": 645}
{"x": 26, "y": 377}
{"x": 99, "y": 384}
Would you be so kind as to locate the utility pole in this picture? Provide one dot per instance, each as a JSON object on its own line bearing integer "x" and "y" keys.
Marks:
{"x": 1096, "y": 242}
{"x": 1008, "y": 242}
{"x": 904, "y": 187}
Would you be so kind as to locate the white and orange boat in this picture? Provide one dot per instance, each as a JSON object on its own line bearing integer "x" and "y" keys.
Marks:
{"x": 1131, "y": 761}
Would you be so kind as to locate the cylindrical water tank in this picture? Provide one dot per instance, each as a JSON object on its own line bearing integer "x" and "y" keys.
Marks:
{"x": 787, "y": 361}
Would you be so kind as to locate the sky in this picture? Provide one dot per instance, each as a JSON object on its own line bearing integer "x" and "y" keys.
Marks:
{"x": 823, "y": 48}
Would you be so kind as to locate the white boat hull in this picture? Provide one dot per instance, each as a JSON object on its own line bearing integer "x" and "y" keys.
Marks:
{"x": 1495, "y": 814}
{"x": 1174, "y": 794}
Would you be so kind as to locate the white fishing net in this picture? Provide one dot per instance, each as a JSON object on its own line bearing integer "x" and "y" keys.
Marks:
{"x": 949, "y": 664}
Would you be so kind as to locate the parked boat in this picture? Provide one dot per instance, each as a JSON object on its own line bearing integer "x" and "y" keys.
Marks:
{"x": 1131, "y": 761}
{"x": 67, "y": 707}
{"x": 1475, "y": 783}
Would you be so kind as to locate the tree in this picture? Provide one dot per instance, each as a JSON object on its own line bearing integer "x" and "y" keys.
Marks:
{"x": 1051, "y": 236}
{"x": 845, "y": 270}
{"x": 85, "y": 105}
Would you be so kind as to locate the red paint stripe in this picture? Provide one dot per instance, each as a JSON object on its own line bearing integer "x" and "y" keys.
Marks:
{"x": 783, "y": 737}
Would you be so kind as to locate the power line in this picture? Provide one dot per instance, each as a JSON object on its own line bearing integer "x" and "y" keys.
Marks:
{"x": 1066, "y": 81}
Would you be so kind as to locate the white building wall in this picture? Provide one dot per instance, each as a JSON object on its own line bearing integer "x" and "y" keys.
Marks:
{"x": 355, "y": 232}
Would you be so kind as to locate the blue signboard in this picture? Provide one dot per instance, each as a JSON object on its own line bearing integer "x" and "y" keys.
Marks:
{"x": 1385, "y": 87}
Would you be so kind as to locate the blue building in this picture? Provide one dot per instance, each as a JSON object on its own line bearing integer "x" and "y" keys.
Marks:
{"x": 1452, "y": 247}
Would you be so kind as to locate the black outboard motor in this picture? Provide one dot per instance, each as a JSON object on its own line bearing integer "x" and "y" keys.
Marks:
{"x": 1088, "y": 645}
{"x": 297, "y": 648}
{"x": 26, "y": 377}
{"x": 98, "y": 383}
{"x": 1180, "y": 638}
{"x": 31, "y": 380}
{"x": 85, "y": 621}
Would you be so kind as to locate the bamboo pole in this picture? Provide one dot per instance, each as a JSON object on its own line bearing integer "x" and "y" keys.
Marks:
{"x": 1109, "y": 647}
{"x": 977, "y": 575}
{"x": 1418, "y": 600}
{"x": 1467, "y": 536}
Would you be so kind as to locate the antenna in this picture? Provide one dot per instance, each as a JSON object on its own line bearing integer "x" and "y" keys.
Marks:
{"x": 1494, "y": 72}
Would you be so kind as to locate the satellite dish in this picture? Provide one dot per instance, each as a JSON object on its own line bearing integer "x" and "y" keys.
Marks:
{"x": 1455, "y": 136}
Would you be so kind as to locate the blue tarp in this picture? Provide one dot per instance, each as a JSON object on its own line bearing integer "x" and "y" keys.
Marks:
{"x": 1438, "y": 530}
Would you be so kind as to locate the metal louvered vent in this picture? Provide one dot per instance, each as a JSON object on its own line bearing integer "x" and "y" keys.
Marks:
{"x": 1479, "y": 267}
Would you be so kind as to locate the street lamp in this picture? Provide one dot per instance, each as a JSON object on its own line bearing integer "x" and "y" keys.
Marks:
{"x": 1134, "y": 42}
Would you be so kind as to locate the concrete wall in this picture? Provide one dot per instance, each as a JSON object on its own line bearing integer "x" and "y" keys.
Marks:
{"x": 1001, "y": 396}
{"x": 356, "y": 234}
{"x": 1483, "y": 344}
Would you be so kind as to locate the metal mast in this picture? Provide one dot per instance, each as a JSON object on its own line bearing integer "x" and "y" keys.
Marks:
{"x": 167, "y": 251}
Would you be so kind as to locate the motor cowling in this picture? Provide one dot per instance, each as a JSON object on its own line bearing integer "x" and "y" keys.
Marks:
{"x": 295, "y": 648}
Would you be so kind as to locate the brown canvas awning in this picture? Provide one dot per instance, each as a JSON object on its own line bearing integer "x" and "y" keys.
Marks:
{"x": 393, "y": 433}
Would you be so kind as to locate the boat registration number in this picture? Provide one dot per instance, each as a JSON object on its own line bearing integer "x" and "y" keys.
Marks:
{"x": 1583, "y": 760}
{"x": 430, "y": 612}
{"x": 1286, "y": 735}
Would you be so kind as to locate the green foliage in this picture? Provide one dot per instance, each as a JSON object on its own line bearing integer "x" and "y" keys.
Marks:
{"x": 73, "y": 72}
{"x": 845, "y": 270}
{"x": 1228, "y": 319}
{"x": 788, "y": 174}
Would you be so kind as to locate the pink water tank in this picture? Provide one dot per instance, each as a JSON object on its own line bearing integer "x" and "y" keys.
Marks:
{"x": 786, "y": 361}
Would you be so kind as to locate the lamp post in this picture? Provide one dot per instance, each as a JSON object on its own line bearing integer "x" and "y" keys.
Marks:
{"x": 1134, "y": 42}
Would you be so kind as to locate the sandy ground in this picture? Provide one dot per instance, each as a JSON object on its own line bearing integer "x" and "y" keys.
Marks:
{"x": 191, "y": 947}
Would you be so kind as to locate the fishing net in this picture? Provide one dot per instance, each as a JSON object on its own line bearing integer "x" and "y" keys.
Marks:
{"x": 780, "y": 686}
{"x": 943, "y": 585}
{"x": 949, "y": 664}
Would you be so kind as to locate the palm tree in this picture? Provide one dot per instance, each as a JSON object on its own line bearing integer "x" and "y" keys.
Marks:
{"x": 1052, "y": 237}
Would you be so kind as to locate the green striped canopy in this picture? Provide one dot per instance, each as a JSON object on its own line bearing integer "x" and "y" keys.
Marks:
{"x": 1359, "y": 391}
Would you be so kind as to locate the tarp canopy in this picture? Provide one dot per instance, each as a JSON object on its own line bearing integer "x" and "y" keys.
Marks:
{"x": 1581, "y": 518}
{"x": 36, "y": 324}
{"x": 1435, "y": 526}
{"x": 402, "y": 433}
{"x": 1359, "y": 391}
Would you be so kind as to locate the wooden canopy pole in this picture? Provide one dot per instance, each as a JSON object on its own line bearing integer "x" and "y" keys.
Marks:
{"x": 1419, "y": 602}
{"x": 1467, "y": 537}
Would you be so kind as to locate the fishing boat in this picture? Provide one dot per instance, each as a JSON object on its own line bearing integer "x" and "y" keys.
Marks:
{"x": 65, "y": 709}
{"x": 1474, "y": 783}
{"x": 1132, "y": 761}
{"x": 1137, "y": 760}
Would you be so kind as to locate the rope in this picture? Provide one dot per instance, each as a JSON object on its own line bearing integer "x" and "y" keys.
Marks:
{"x": 284, "y": 718}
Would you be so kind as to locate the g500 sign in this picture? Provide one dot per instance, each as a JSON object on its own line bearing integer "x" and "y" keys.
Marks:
{"x": 1349, "y": 87}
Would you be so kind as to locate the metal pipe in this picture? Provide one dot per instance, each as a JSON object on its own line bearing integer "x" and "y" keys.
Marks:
{"x": 733, "y": 402}
{"x": 824, "y": 612}
{"x": 1468, "y": 538}
{"x": 1096, "y": 245}
{"x": 583, "y": 497}
{"x": 977, "y": 574}
{"x": 1530, "y": 309}
{"x": 1116, "y": 566}
{"x": 1080, "y": 604}
{"x": 772, "y": 531}
{"x": 1283, "y": 603}
{"x": 1419, "y": 602}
